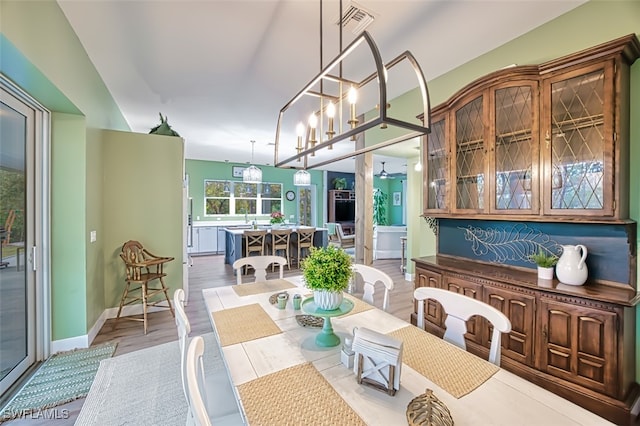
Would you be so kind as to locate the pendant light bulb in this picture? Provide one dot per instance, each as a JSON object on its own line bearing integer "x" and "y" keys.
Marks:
{"x": 353, "y": 98}
{"x": 313, "y": 122}
{"x": 300, "y": 133}
{"x": 331, "y": 112}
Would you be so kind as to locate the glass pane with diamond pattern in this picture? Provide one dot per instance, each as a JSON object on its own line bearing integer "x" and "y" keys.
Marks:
{"x": 470, "y": 155}
{"x": 513, "y": 148}
{"x": 437, "y": 166}
{"x": 577, "y": 142}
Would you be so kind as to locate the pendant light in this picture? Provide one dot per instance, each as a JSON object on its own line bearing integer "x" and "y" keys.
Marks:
{"x": 302, "y": 178}
{"x": 252, "y": 174}
{"x": 334, "y": 98}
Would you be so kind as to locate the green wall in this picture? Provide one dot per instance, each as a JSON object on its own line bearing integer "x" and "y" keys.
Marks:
{"x": 200, "y": 170}
{"x": 388, "y": 187}
{"x": 142, "y": 200}
{"x": 68, "y": 219}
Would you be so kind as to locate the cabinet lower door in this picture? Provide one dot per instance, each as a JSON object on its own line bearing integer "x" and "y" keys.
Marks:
{"x": 578, "y": 344}
{"x": 520, "y": 309}
{"x": 433, "y": 318}
{"x": 473, "y": 290}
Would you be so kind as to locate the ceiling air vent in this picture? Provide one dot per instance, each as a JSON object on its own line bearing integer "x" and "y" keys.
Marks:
{"x": 356, "y": 18}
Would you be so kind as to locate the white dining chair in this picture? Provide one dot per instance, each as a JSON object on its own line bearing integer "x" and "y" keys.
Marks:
{"x": 215, "y": 392}
{"x": 259, "y": 265}
{"x": 184, "y": 328}
{"x": 370, "y": 276}
{"x": 195, "y": 376}
{"x": 459, "y": 308}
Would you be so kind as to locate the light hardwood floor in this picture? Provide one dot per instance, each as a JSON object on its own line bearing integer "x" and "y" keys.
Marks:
{"x": 206, "y": 272}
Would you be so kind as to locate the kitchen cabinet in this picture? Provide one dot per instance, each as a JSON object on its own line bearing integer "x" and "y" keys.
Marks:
{"x": 205, "y": 240}
{"x": 576, "y": 341}
{"x": 536, "y": 142}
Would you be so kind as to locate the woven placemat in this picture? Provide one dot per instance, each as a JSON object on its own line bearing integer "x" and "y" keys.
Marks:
{"x": 358, "y": 305}
{"x": 454, "y": 370}
{"x": 303, "y": 397}
{"x": 262, "y": 287}
{"x": 244, "y": 323}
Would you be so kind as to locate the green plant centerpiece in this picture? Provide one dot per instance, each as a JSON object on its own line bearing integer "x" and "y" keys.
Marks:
{"x": 545, "y": 261}
{"x": 327, "y": 271}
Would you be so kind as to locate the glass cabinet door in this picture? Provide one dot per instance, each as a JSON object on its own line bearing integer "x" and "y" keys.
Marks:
{"x": 470, "y": 154}
{"x": 515, "y": 149}
{"x": 579, "y": 142}
{"x": 436, "y": 170}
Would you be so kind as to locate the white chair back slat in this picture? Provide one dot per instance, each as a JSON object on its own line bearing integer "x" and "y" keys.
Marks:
{"x": 259, "y": 265}
{"x": 371, "y": 276}
{"x": 459, "y": 308}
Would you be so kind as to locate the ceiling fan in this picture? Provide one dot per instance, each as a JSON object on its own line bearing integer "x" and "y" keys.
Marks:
{"x": 383, "y": 173}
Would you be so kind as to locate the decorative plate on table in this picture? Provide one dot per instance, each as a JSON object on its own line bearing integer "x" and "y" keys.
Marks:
{"x": 309, "y": 321}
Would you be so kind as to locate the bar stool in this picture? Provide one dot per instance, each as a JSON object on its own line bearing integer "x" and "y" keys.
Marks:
{"x": 280, "y": 239}
{"x": 254, "y": 242}
{"x": 304, "y": 242}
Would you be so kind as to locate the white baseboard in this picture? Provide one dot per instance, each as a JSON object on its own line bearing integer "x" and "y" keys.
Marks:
{"x": 85, "y": 340}
{"x": 408, "y": 276}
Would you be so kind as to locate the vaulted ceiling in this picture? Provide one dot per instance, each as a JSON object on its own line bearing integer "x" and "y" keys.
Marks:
{"x": 220, "y": 70}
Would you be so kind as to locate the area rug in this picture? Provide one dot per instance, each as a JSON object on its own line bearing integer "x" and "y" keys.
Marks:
{"x": 62, "y": 378}
{"x": 143, "y": 387}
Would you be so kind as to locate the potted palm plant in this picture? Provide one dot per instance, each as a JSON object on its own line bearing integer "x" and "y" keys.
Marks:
{"x": 546, "y": 262}
{"x": 327, "y": 271}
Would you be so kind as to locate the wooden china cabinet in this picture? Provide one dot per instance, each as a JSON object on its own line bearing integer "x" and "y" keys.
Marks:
{"x": 536, "y": 142}
{"x": 543, "y": 143}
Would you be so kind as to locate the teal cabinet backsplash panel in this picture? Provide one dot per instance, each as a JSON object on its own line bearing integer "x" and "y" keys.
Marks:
{"x": 611, "y": 247}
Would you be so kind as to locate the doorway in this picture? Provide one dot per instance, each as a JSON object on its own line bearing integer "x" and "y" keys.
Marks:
{"x": 307, "y": 205}
{"x": 23, "y": 130}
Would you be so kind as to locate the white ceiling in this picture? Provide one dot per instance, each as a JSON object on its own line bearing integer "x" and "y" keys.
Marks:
{"x": 221, "y": 70}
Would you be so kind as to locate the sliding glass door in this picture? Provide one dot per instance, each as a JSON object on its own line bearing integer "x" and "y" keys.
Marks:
{"x": 17, "y": 280}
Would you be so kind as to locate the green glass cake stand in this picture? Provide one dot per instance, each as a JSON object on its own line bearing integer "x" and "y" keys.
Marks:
{"x": 326, "y": 337}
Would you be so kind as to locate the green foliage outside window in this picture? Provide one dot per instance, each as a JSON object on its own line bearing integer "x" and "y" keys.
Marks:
{"x": 239, "y": 198}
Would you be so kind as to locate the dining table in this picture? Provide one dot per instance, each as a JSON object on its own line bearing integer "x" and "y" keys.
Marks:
{"x": 280, "y": 375}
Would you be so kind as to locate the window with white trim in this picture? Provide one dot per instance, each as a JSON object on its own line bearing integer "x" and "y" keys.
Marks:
{"x": 238, "y": 198}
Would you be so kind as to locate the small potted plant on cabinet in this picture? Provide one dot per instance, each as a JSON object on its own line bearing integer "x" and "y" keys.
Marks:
{"x": 546, "y": 262}
{"x": 327, "y": 271}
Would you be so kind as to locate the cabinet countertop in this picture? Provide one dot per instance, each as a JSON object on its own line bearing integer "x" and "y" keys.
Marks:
{"x": 240, "y": 231}
{"x": 528, "y": 279}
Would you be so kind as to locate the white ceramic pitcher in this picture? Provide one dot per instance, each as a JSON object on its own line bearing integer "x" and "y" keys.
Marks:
{"x": 571, "y": 268}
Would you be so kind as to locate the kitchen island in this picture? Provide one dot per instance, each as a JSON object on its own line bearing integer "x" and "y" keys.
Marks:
{"x": 234, "y": 241}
